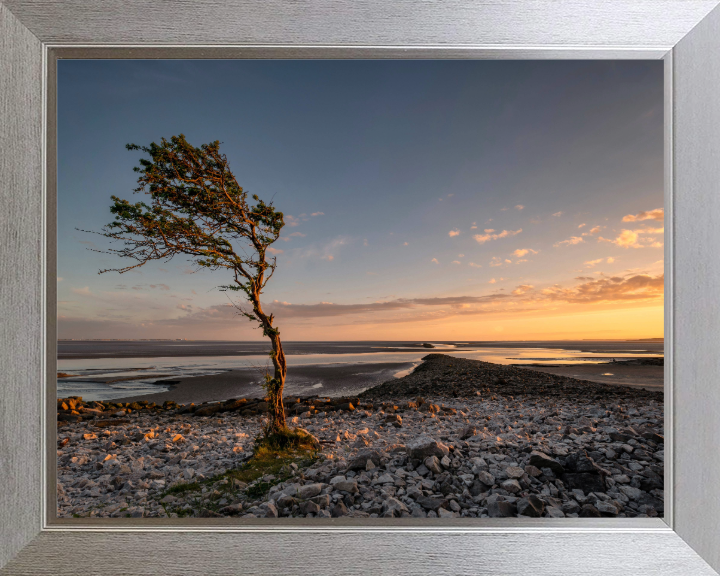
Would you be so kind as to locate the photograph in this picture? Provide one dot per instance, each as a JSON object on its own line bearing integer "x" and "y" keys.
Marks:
{"x": 360, "y": 289}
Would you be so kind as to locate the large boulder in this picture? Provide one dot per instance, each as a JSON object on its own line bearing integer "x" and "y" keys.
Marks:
{"x": 423, "y": 446}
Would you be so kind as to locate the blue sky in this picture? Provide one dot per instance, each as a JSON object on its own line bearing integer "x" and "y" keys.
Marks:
{"x": 391, "y": 174}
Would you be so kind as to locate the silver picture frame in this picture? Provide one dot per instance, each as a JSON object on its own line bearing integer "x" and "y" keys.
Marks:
{"x": 685, "y": 34}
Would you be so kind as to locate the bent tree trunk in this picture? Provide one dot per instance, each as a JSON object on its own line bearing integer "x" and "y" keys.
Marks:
{"x": 276, "y": 385}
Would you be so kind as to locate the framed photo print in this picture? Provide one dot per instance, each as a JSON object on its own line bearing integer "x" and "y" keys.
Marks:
{"x": 355, "y": 288}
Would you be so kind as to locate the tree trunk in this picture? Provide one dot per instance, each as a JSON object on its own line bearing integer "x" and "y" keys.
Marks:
{"x": 275, "y": 384}
{"x": 277, "y": 409}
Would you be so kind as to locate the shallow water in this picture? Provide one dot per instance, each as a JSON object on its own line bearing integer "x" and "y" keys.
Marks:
{"x": 91, "y": 375}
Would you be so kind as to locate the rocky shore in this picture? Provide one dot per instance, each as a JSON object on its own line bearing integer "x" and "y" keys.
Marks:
{"x": 454, "y": 439}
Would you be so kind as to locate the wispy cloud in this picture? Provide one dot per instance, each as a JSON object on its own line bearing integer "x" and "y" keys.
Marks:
{"x": 274, "y": 250}
{"x": 454, "y": 233}
{"x": 520, "y": 252}
{"x": 657, "y": 214}
{"x": 435, "y": 260}
{"x": 519, "y": 207}
{"x": 490, "y": 234}
{"x": 318, "y": 214}
{"x": 523, "y": 289}
{"x": 558, "y": 214}
{"x": 570, "y": 241}
{"x": 591, "y": 263}
{"x": 473, "y": 265}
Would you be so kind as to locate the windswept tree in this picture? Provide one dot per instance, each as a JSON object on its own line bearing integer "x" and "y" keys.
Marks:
{"x": 196, "y": 208}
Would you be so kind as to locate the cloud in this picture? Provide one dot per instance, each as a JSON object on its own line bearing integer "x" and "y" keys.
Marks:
{"x": 160, "y": 286}
{"x": 328, "y": 257}
{"x": 365, "y": 242}
{"x": 473, "y": 265}
{"x": 558, "y": 214}
{"x": 591, "y": 263}
{"x": 581, "y": 225}
{"x": 82, "y": 291}
{"x": 492, "y": 281}
{"x": 496, "y": 261}
{"x": 59, "y": 278}
{"x": 454, "y": 233}
{"x": 435, "y": 260}
{"x": 405, "y": 243}
{"x": 570, "y": 241}
{"x": 274, "y": 250}
{"x": 318, "y": 214}
{"x": 634, "y": 238}
{"x": 593, "y": 230}
{"x": 474, "y": 225}
{"x": 522, "y": 289}
{"x": 291, "y": 220}
{"x": 657, "y": 214}
{"x": 519, "y": 207}
{"x": 520, "y": 252}
{"x": 456, "y": 262}
{"x": 584, "y": 278}
{"x": 193, "y": 291}
{"x": 639, "y": 287}
{"x": 461, "y": 255}
{"x": 521, "y": 261}
{"x": 491, "y": 235}
{"x": 300, "y": 234}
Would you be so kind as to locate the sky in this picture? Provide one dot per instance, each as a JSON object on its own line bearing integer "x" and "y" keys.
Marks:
{"x": 423, "y": 200}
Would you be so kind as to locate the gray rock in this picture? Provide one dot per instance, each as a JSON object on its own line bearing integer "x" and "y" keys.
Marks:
{"x": 432, "y": 463}
{"x": 512, "y": 486}
{"x": 442, "y": 513}
{"x": 542, "y": 460}
{"x": 384, "y": 479}
{"x": 347, "y": 486}
{"x": 339, "y": 510}
{"x": 394, "y": 505}
{"x": 606, "y": 509}
{"x": 531, "y": 506}
{"x": 554, "y": 512}
{"x": 630, "y": 492}
{"x": 423, "y": 446}
{"x": 430, "y": 503}
{"x": 514, "y": 472}
{"x": 501, "y": 509}
{"x": 309, "y": 507}
{"x": 309, "y": 490}
{"x": 359, "y": 461}
{"x": 486, "y": 478}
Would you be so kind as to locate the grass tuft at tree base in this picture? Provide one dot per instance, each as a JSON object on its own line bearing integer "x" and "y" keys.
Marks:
{"x": 286, "y": 440}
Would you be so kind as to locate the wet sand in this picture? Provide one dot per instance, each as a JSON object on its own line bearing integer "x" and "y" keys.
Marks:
{"x": 648, "y": 377}
{"x": 324, "y": 380}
